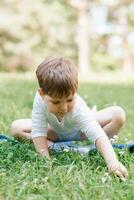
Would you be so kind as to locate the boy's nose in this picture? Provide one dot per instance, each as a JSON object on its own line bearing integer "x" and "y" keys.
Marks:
{"x": 63, "y": 108}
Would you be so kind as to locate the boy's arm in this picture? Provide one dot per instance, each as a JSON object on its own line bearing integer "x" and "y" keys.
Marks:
{"x": 39, "y": 126}
{"x": 104, "y": 146}
{"x": 41, "y": 146}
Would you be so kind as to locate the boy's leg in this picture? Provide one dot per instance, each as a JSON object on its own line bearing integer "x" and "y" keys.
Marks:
{"x": 21, "y": 129}
{"x": 111, "y": 119}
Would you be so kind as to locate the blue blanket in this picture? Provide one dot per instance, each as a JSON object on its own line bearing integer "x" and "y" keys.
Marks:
{"x": 71, "y": 145}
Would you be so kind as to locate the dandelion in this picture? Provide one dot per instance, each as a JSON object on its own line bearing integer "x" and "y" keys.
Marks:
{"x": 121, "y": 152}
{"x": 112, "y": 140}
{"x": 126, "y": 139}
{"x": 66, "y": 150}
{"x": 115, "y": 137}
{"x": 35, "y": 181}
{"x": 45, "y": 179}
{"x": 2, "y": 174}
{"x": 106, "y": 178}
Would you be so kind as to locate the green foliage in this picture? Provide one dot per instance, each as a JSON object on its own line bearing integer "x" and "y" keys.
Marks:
{"x": 28, "y": 33}
{"x": 40, "y": 30}
{"x": 105, "y": 62}
{"x": 26, "y": 176}
{"x": 102, "y": 60}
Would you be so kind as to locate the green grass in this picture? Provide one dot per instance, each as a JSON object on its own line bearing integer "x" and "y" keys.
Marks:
{"x": 25, "y": 176}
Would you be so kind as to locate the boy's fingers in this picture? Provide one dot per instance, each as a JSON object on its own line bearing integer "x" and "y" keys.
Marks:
{"x": 122, "y": 174}
{"x": 123, "y": 170}
{"x": 125, "y": 173}
{"x": 119, "y": 174}
{"x": 119, "y": 170}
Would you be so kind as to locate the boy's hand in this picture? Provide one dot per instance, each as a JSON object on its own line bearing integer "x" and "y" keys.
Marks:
{"x": 114, "y": 166}
{"x": 41, "y": 146}
{"x": 119, "y": 169}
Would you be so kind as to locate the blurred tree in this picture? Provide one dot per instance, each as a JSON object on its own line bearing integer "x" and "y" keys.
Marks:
{"x": 120, "y": 12}
{"x": 82, "y": 36}
{"x": 32, "y": 30}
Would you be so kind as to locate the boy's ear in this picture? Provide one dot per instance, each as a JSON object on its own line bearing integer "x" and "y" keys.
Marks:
{"x": 41, "y": 92}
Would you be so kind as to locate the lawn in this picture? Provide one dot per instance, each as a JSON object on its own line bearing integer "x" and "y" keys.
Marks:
{"x": 68, "y": 176}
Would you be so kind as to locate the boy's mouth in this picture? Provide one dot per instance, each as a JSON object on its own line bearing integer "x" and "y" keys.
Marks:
{"x": 61, "y": 113}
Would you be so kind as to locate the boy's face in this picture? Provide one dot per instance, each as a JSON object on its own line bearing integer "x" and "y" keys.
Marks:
{"x": 60, "y": 106}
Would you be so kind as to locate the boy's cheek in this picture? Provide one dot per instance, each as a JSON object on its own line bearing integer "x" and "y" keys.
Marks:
{"x": 52, "y": 108}
{"x": 71, "y": 107}
{"x": 73, "y": 104}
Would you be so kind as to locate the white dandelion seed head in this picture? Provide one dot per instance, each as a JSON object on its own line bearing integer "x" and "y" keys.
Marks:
{"x": 66, "y": 150}
{"x": 112, "y": 140}
{"x": 121, "y": 152}
{"x": 115, "y": 137}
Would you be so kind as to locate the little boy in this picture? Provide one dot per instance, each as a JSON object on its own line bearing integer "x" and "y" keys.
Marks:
{"x": 60, "y": 114}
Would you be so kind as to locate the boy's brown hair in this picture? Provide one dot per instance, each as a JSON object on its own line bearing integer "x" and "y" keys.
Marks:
{"x": 57, "y": 77}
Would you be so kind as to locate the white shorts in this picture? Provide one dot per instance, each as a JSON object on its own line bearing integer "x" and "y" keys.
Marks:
{"x": 74, "y": 136}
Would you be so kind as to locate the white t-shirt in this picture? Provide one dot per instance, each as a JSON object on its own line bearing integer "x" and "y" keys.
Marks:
{"x": 79, "y": 119}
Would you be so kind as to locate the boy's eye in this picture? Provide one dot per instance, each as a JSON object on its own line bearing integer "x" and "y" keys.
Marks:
{"x": 69, "y": 100}
{"x": 55, "y": 102}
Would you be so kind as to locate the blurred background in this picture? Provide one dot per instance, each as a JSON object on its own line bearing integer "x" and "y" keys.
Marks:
{"x": 97, "y": 35}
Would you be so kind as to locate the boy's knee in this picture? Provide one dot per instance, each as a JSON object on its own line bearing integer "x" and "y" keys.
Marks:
{"x": 119, "y": 116}
{"x": 15, "y": 128}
